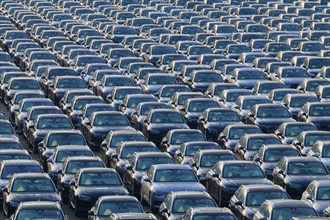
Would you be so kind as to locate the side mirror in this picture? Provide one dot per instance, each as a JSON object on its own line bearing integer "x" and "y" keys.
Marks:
{"x": 114, "y": 156}
{"x": 129, "y": 167}
{"x": 91, "y": 212}
{"x": 59, "y": 171}
{"x": 88, "y": 123}
{"x": 316, "y": 155}
{"x": 216, "y": 175}
{"x": 309, "y": 197}
{"x": 164, "y": 210}
{"x": 92, "y": 144}
{"x": 5, "y": 190}
{"x": 238, "y": 203}
{"x": 147, "y": 180}
{"x": 41, "y": 145}
{"x": 31, "y": 126}
{"x": 72, "y": 183}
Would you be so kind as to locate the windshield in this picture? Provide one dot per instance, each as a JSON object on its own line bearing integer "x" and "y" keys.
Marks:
{"x": 53, "y": 214}
{"x": 208, "y": 160}
{"x": 127, "y": 152}
{"x": 167, "y": 117}
{"x": 54, "y": 123}
{"x": 306, "y": 168}
{"x": 33, "y": 185}
{"x": 255, "y": 144}
{"x": 100, "y": 179}
{"x": 193, "y": 148}
{"x": 182, "y": 205}
{"x": 273, "y": 112}
{"x": 10, "y": 145}
{"x": 65, "y": 139}
{"x": 62, "y": 155}
{"x": 214, "y": 216}
{"x": 275, "y": 155}
{"x": 248, "y": 104}
{"x": 123, "y": 81}
{"x": 179, "y": 138}
{"x": 147, "y": 108}
{"x": 311, "y": 139}
{"x": 108, "y": 207}
{"x": 200, "y": 106}
{"x": 104, "y": 120}
{"x": 237, "y": 133}
{"x": 320, "y": 110}
{"x": 242, "y": 171}
{"x": 6, "y": 128}
{"x": 323, "y": 193}
{"x": 257, "y": 198}
{"x": 14, "y": 157}
{"x": 288, "y": 213}
{"x": 294, "y": 130}
{"x": 8, "y": 171}
{"x": 70, "y": 83}
{"x": 24, "y": 84}
{"x": 175, "y": 175}
{"x": 74, "y": 166}
{"x": 223, "y": 116}
{"x": 145, "y": 163}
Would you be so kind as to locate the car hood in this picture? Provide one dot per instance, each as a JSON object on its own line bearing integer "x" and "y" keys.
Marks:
{"x": 274, "y": 121}
{"x": 95, "y": 191}
{"x": 106, "y": 129}
{"x": 237, "y": 182}
{"x": 179, "y": 186}
{"x": 22, "y": 197}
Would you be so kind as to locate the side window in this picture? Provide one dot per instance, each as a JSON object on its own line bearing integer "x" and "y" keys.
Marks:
{"x": 240, "y": 195}
{"x": 264, "y": 211}
{"x": 167, "y": 201}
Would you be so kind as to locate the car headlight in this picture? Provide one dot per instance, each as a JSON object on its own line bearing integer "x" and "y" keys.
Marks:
{"x": 84, "y": 198}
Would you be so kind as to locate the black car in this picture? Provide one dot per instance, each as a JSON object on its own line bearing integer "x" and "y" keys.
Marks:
{"x": 213, "y": 120}
{"x": 210, "y": 213}
{"x": 12, "y": 154}
{"x": 284, "y": 209}
{"x": 91, "y": 183}
{"x": 176, "y": 137}
{"x": 288, "y": 131}
{"x": 38, "y": 210}
{"x": 316, "y": 113}
{"x": 107, "y": 205}
{"x": 70, "y": 167}
{"x": 44, "y": 123}
{"x": 28, "y": 187}
{"x": 177, "y": 203}
{"x": 269, "y": 155}
{"x": 225, "y": 177}
{"x": 247, "y": 198}
{"x": 194, "y": 107}
{"x": 204, "y": 160}
{"x": 295, "y": 173}
{"x": 306, "y": 139}
{"x": 268, "y": 116}
{"x": 62, "y": 84}
{"x": 138, "y": 165}
{"x": 187, "y": 150}
{"x": 317, "y": 194}
{"x": 10, "y": 167}
{"x": 141, "y": 111}
{"x": 118, "y": 160}
{"x": 294, "y": 103}
{"x": 101, "y": 123}
{"x": 249, "y": 144}
{"x": 58, "y": 138}
{"x": 158, "y": 122}
{"x": 231, "y": 134}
